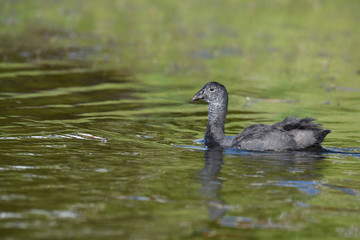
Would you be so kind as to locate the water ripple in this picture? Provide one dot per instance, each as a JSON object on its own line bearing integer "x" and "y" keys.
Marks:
{"x": 79, "y": 136}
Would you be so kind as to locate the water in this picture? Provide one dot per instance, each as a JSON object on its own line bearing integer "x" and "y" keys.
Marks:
{"x": 99, "y": 138}
{"x": 90, "y": 157}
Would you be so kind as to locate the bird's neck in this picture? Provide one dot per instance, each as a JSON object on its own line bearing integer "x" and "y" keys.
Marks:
{"x": 215, "y": 131}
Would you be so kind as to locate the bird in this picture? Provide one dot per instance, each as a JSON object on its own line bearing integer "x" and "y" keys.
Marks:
{"x": 289, "y": 135}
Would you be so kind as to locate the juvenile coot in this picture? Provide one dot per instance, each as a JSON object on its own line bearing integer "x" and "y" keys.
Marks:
{"x": 290, "y": 134}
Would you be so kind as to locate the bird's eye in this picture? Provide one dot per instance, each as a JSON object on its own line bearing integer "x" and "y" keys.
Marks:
{"x": 211, "y": 89}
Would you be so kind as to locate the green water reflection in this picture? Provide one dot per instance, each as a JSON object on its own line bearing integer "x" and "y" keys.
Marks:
{"x": 97, "y": 129}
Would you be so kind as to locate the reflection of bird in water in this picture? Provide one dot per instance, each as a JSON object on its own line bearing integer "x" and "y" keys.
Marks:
{"x": 213, "y": 161}
{"x": 275, "y": 167}
{"x": 278, "y": 162}
{"x": 211, "y": 185}
{"x": 290, "y": 134}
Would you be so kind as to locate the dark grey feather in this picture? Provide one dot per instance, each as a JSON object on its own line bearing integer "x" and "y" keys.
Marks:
{"x": 290, "y": 134}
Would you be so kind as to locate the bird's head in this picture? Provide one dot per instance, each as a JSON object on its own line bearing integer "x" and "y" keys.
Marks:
{"x": 212, "y": 92}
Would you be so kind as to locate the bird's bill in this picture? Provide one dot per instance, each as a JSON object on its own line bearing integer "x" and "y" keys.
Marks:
{"x": 199, "y": 95}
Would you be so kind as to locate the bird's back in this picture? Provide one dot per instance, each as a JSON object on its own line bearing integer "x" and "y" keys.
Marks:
{"x": 290, "y": 134}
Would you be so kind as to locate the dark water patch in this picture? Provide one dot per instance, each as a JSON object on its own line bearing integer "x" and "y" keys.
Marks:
{"x": 23, "y": 68}
{"x": 43, "y": 79}
{"x": 33, "y": 100}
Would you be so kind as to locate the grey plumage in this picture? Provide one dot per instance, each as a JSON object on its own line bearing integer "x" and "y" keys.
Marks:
{"x": 290, "y": 134}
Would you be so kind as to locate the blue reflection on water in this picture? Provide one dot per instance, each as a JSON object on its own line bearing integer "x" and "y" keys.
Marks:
{"x": 328, "y": 150}
{"x": 312, "y": 187}
{"x": 307, "y": 187}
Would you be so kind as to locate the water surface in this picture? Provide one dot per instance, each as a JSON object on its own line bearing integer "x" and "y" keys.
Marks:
{"x": 99, "y": 139}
